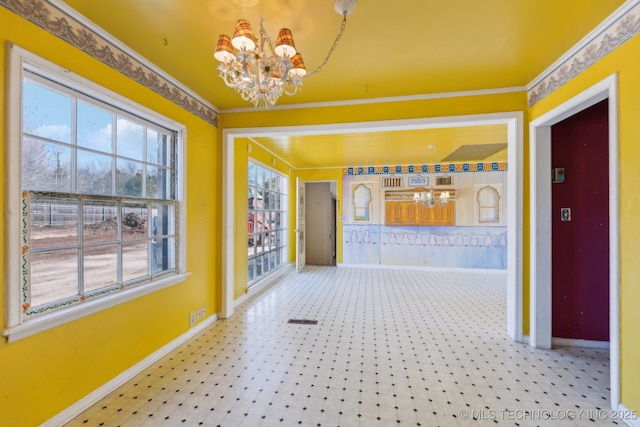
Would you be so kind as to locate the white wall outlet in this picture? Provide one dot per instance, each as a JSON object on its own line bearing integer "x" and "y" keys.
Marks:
{"x": 204, "y": 312}
{"x": 192, "y": 318}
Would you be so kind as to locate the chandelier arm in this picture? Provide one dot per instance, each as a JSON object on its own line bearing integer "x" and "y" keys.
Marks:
{"x": 335, "y": 45}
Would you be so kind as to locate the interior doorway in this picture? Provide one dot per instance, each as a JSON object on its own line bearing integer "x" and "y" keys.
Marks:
{"x": 321, "y": 223}
{"x": 580, "y": 229}
{"x": 514, "y": 122}
{"x": 540, "y": 325}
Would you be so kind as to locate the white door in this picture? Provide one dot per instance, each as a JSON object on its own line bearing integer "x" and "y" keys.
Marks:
{"x": 300, "y": 237}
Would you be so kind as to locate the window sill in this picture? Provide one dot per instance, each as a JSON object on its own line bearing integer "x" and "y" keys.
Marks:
{"x": 48, "y": 321}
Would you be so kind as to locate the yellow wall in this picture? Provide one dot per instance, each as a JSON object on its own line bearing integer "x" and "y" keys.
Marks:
{"x": 43, "y": 374}
{"x": 625, "y": 61}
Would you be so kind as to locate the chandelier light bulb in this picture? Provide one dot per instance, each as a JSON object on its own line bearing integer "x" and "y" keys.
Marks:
{"x": 284, "y": 44}
{"x": 224, "y": 49}
{"x": 243, "y": 37}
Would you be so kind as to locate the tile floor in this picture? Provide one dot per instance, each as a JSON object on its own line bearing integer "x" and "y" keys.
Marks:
{"x": 391, "y": 348}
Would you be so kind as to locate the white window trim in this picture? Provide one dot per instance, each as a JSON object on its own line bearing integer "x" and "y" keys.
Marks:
{"x": 15, "y": 327}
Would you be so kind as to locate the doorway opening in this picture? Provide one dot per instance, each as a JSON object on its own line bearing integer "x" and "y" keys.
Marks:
{"x": 542, "y": 216}
{"x": 514, "y": 124}
{"x": 320, "y": 244}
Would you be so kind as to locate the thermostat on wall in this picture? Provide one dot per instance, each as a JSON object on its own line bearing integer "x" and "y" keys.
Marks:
{"x": 558, "y": 175}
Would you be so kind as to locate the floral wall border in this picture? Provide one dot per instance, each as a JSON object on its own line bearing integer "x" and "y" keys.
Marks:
{"x": 60, "y": 24}
{"x": 603, "y": 41}
{"x": 426, "y": 168}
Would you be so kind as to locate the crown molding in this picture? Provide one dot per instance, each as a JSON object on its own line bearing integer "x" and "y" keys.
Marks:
{"x": 612, "y": 33}
{"x": 386, "y": 100}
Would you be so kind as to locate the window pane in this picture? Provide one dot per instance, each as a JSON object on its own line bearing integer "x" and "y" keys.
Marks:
{"x": 52, "y": 222}
{"x": 162, "y": 255}
{"x": 162, "y": 220}
{"x": 129, "y": 178}
{"x": 54, "y": 276}
{"x": 46, "y": 113}
{"x": 272, "y": 240}
{"x": 94, "y": 127}
{"x": 258, "y": 262}
{"x": 94, "y": 173}
{"x": 260, "y": 176}
{"x": 134, "y": 260}
{"x": 250, "y": 273}
{"x": 135, "y": 223}
{"x": 267, "y": 180}
{"x": 100, "y": 266}
{"x": 158, "y": 183}
{"x": 158, "y": 148}
{"x": 100, "y": 221}
{"x": 252, "y": 174}
{"x": 130, "y": 138}
{"x": 46, "y": 166}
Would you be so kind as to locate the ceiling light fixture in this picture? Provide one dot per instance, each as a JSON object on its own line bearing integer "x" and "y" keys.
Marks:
{"x": 261, "y": 73}
{"x": 428, "y": 197}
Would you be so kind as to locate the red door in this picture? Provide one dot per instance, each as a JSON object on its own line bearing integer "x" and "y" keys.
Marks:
{"x": 580, "y": 240}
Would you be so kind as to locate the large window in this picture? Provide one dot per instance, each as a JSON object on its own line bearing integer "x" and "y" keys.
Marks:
{"x": 98, "y": 197}
{"x": 267, "y": 219}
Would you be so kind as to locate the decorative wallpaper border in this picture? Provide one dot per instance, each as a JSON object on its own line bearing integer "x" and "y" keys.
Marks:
{"x": 426, "y": 168}
{"x": 604, "y": 42}
{"x": 55, "y": 21}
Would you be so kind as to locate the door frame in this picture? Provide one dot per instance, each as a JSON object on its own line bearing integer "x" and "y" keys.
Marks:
{"x": 540, "y": 223}
{"x": 334, "y": 213}
{"x": 301, "y": 224}
{"x": 514, "y": 121}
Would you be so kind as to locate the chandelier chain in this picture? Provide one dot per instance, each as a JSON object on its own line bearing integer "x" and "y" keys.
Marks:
{"x": 335, "y": 45}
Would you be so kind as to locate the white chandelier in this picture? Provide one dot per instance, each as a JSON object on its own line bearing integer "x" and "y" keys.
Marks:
{"x": 261, "y": 73}
{"x": 428, "y": 196}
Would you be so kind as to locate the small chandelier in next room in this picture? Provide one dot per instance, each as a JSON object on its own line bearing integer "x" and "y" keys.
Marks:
{"x": 261, "y": 73}
{"x": 428, "y": 198}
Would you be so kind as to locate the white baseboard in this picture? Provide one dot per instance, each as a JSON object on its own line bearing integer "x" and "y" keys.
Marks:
{"x": 262, "y": 284}
{"x": 570, "y": 342}
{"x": 630, "y": 417}
{"x": 95, "y": 396}
{"x": 421, "y": 268}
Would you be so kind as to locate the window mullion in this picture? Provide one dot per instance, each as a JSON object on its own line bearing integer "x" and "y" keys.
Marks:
{"x": 119, "y": 218}
{"x": 74, "y": 145}
{"x": 81, "y": 246}
{"x": 149, "y": 238}
{"x": 114, "y": 163}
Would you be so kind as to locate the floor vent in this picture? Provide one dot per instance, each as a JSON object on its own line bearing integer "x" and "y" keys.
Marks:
{"x": 303, "y": 321}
